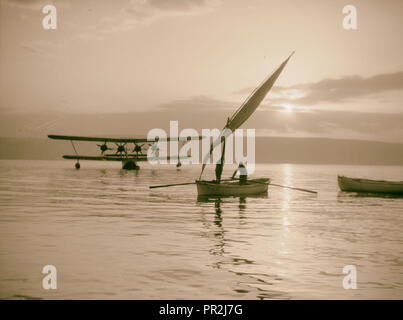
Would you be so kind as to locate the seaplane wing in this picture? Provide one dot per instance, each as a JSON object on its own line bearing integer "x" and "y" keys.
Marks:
{"x": 110, "y": 157}
{"x": 121, "y": 140}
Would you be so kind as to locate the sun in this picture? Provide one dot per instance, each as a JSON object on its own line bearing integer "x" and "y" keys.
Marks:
{"x": 287, "y": 108}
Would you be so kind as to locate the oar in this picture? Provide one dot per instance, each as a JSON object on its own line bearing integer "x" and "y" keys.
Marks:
{"x": 299, "y": 189}
{"x": 171, "y": 185}
{"x": 272, "y": 184}
{"x": 279, "y": 185}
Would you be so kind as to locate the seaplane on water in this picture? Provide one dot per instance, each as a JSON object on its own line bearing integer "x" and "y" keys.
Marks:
{"x": 129, "y": 151}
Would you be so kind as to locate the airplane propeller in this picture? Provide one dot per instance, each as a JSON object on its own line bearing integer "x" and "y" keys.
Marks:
{"x": 138, "y": 148}
{"x": 104, "y": 147}
{"x": 121, "y": 148}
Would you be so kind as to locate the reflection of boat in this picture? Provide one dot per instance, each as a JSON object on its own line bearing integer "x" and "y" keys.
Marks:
{"x": 370, "y": 186}
{"x": 232, "y": 188}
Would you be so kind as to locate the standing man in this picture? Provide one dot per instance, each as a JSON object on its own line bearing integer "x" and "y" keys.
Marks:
{"x": 220, "y": 164}
{"x": 218, "y": 171}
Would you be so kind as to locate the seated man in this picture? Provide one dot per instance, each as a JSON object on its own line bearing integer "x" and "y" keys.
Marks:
{"x": 243, "y": 174}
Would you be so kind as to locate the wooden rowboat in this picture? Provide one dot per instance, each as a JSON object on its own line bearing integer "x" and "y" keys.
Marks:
{"x": 232, "y": 188}
{"x": 370, "y": 186}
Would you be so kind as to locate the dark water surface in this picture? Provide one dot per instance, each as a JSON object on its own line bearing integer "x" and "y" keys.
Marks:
{"x": 111, "y": 237}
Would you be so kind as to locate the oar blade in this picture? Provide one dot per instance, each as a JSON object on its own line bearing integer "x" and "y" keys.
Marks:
{"x": 171, "y": 185}
{"x": 298, "y": 189}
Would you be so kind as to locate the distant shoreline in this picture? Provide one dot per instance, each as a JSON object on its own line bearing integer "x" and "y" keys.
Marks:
{"x": 194, "y": 165}
{"x": 269, "y": 150}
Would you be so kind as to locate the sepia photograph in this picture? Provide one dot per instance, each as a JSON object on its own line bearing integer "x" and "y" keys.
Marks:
{"x": 194, "y": 150}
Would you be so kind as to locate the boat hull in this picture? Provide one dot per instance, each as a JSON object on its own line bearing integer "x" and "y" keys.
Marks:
{"x": 370, "y": 186}
{"x": 232, "y": 188}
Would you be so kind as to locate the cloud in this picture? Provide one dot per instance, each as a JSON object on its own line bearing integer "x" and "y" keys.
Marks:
{"x": 126, "y": 15}
{"x": 207, "y": 113}
{"x": 197, "y": 104}
{"x": 24, "y": 4}
{"x": 341, "y": 124}
{"x": 32, "y": 49}
{"x": 144, "y": 11}
{"x": 40, "y": 47}
{"x": 334, "y": 90}
{"x": 175, "y": 5}
{"x": 32, "y": 4}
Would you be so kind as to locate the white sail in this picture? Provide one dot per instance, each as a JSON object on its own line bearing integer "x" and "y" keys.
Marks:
{"x": 248, "y": 107}
{"x": 254, "y": 100}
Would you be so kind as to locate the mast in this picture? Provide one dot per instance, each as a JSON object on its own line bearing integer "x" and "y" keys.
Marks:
{"x": 221, "y": 164}
{"x": 247, "y": 108}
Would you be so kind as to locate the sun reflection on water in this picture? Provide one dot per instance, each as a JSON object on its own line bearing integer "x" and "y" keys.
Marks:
{"x": 285, "y": 208}
{"x": 287, "y": 171}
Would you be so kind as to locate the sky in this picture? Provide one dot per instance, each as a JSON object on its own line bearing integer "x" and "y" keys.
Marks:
{"x": 123, "y": 66}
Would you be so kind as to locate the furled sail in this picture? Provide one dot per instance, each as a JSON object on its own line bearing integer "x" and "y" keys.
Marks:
{"x": 248, "y": 107}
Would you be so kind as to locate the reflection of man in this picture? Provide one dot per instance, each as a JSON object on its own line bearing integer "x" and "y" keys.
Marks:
{"x": 243, "y": 174}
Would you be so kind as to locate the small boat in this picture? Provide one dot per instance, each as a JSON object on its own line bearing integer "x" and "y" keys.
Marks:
{"x": 228, "y": 187}
{"x": 232, "y": 188}
{"x": 370, "y": 186}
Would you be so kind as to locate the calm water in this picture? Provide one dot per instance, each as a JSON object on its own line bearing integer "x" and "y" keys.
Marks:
{"x": 111, "y": 237}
